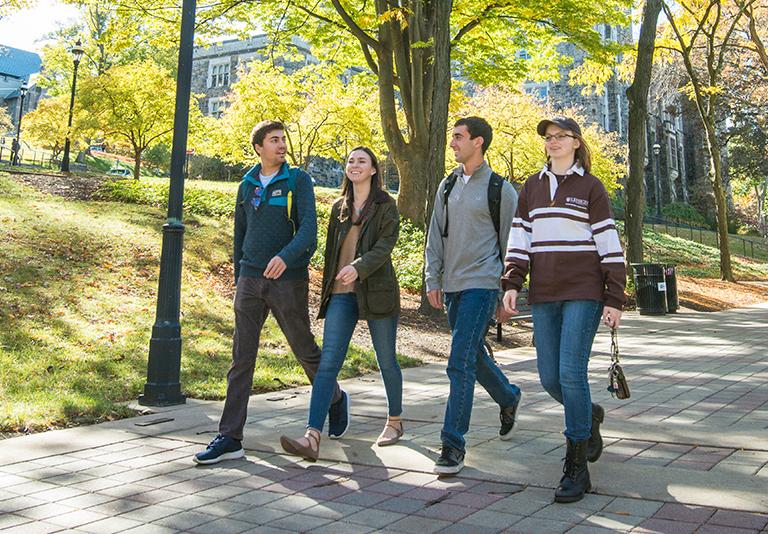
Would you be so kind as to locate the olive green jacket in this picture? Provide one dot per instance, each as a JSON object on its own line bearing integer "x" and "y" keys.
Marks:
{"x": 377, "y": 290}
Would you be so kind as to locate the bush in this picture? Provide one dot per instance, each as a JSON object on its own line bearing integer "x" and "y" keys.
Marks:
{"x": 196, "y": 201}
{"x": 685, "y": 213}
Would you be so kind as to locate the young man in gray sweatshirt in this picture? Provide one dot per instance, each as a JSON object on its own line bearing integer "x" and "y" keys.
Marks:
{"x": 463, "y": 268}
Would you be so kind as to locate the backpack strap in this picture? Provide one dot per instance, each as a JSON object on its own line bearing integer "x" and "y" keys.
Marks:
{"x": 495, "y": 185}
{"x": 494, "y": 204}
{"x": 448, "y": 184}
{"x": 292, "y": 173}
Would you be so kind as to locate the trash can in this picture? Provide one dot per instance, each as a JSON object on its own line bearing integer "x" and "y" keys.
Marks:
{"x": 671, "y": 278}
{"x": 651, "y": 288}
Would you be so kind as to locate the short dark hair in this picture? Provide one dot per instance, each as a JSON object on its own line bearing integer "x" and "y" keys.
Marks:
{"x": 478, "y": 127}
{"x": 261, "y": 130}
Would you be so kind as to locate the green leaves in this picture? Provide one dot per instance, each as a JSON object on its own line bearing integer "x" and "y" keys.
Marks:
{"x": 325, "y": 115}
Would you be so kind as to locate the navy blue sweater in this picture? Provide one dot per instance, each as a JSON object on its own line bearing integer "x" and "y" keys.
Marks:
{"x": 263, "y": 232}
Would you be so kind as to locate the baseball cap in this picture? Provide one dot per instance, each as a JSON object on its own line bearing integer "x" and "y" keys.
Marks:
{"x": 565, "y": 123}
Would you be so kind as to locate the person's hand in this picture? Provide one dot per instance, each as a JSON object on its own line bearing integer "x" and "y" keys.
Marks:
{"x": 510, "y": 302}
{"x": 611, "y": 316}
{"x": 502, "y": 315}
{"x": 347, "y": 275}
{"x": 275, "y": 268}
{"x": 435, "y": 298}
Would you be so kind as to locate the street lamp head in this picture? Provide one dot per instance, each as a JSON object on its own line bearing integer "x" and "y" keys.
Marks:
{"x": 656, "y": 149}
{"x": 77, "y": 51}
{"x": 23, "y": 90}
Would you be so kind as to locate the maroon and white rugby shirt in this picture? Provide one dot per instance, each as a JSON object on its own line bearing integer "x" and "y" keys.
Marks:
{"x": 565, "y": 237}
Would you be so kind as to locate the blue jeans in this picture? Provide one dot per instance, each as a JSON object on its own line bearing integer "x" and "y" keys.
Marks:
{"x": 564, "y": 333}
{"x": 469, "y": 312}
{"x": 340, "y": 320}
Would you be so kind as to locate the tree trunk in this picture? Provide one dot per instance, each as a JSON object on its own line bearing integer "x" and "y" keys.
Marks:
{"x": 137, "y": 163}
{"x": 437, "y": 114}
{"x": 412, "y": 196}
{"x": 716, "y": 175}
{"x": 760, "y": 191}
{"x": 637, "y": 94}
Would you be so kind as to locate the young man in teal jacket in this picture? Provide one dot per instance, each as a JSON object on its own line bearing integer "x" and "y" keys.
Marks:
{"x": 275, "y": 237}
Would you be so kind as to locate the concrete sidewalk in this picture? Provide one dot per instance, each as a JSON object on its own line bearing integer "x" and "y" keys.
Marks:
{"x": 687, "y": 453}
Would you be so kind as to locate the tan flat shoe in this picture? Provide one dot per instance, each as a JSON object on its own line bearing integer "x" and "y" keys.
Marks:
{"x": 391, "y": 434}
{"x": 308, "y": 452}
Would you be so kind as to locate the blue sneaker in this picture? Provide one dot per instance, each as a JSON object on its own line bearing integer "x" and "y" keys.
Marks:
{"x": 338, "y": 417}
{"x": 221, "y": 448}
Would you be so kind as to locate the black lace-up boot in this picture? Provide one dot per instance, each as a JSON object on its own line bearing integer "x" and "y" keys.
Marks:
{"x": 575, "y": 482}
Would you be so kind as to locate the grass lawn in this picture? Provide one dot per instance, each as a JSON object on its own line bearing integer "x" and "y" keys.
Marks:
{"x": 78, "y": 284}
{"x": 697, "y": 260}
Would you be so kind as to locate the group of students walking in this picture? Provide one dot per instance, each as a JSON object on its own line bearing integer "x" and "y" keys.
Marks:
{"x": 559, "y": 233}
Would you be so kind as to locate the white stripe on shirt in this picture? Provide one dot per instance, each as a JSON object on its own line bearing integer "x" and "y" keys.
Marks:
{"x": 563, "y": 248}
{"x": 562, "y": 211}
{"x": 561, "y": 229}
{"x": 607, "y": 222}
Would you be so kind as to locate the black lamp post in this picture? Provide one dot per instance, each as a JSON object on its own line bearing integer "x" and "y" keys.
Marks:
{"x": 657, "y": 177}
{"x": 77, "y": 53}
{"x": 163, "y": 369}
{"x": 15, "y": 158}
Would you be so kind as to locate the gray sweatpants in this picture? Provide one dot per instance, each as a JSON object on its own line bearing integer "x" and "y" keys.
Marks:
{"x": 254, "y": 299}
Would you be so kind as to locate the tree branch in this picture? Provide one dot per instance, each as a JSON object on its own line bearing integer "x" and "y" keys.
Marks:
{"x": 357, "y": 31}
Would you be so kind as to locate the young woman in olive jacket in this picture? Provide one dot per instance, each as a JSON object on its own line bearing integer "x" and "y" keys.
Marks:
{"x": 359, "y": 282}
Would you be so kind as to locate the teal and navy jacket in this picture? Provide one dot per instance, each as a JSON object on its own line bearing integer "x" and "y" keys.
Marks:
{"x": 266, "y": 231}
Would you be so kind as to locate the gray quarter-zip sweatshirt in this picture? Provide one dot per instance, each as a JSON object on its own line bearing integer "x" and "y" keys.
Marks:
{"x": 469, "y": 257}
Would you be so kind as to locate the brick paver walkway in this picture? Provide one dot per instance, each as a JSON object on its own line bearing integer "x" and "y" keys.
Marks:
{"x": 687, "y": 453}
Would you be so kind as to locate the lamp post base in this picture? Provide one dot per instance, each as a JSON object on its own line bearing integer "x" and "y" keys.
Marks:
{"x": 160, "y": 396}
{"x": 163, "y": 387}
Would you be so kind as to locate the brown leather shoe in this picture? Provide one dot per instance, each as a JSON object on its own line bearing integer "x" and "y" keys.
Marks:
{"x": 308, "y": 452}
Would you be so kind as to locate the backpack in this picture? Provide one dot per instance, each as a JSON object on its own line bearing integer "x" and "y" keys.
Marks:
{"x": 247, "y": 187}
{"x": 494, "y": 202}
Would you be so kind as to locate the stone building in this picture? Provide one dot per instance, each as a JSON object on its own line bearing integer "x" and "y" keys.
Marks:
{"x": 679, "y": 172}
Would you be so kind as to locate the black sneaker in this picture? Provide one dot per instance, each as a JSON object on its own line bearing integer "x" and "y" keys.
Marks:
{"x": 221, "y": 448}
{"x": 451, "y": 461}
{"x": 338, "y": 417}
{"x": 507, "y": 417}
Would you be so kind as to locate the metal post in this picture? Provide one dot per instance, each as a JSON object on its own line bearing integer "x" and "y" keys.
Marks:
{"x": 77, "y": 52}
{"x": 163, "y": 387}
{"x": 15, "y": 158}
{"x": 657, "y": 177}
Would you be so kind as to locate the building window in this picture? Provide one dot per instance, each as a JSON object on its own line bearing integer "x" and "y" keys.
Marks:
{"x": 606, "y": 110}
{"x": 673, "y": 163}
{"x": 216, "y": 107}
{"x": 608, "y": 32}
{"x": 218, "y": 74}
{"x": 619, "y": 114}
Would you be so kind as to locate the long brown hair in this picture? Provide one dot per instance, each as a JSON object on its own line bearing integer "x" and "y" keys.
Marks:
{"x": 584, "y": 153}
{"x": 348, "y": 191}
